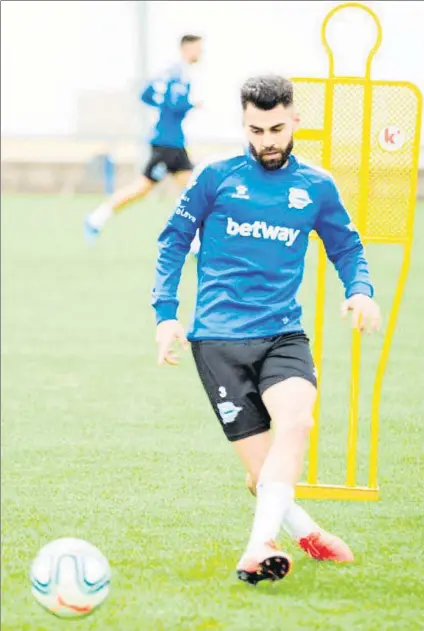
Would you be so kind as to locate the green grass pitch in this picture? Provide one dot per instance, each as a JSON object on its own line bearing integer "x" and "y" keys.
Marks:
{"x": 99, "y": 443}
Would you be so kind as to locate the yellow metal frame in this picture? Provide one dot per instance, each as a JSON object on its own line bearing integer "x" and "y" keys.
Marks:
{"x": 307, "y": 491}
{"x": 374, "y": 49}
{"x": 350, "y": 491}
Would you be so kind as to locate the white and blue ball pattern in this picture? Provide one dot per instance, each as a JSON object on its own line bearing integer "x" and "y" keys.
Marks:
{"x": 70, "y": 577}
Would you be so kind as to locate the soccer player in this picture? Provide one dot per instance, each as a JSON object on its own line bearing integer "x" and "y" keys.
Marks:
{"x": 255, "y": 213}
{"x": 170, "y": 95}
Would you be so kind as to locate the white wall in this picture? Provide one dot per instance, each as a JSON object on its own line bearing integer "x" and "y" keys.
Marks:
{"x": 51, "y": 50}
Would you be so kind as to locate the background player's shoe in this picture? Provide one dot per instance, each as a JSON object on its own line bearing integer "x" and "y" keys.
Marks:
{"x": 267, "y": 563}
{"x": 323, "y": 546}
{"x": 91, "y": 233}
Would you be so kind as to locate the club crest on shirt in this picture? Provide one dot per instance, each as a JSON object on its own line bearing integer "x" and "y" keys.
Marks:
{"x": 298, "y": 198}
{"x": 241, "y": 192}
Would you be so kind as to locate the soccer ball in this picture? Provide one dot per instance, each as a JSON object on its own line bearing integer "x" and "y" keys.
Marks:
{"x": 70, "y": 577}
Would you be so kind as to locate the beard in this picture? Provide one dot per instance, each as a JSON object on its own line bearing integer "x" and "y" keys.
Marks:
{"x": 272, "y": 164}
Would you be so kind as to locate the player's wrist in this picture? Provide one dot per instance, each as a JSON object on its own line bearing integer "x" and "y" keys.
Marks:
{"x": 166, "y": 311}
{"x": 164, "y": 323}
{"x": 361, "y": 288}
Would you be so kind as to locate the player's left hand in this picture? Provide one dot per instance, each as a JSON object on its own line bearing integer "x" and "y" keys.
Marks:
{"x": 366, "y": 315}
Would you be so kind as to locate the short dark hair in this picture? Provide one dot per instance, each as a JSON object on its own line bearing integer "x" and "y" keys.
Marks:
{"x": 189, "y": 39}
{"x": 266, "y": 92}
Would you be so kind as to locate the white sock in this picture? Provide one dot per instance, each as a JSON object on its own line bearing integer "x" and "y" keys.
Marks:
{"x": 195, "y": 245}
{"x": 273, "y": 499}
{"x": 99, "y": 217}
{"x": 297, "y": 523}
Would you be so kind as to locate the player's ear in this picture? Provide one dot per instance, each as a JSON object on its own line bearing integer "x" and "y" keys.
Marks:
{"x": 296, "y": 120}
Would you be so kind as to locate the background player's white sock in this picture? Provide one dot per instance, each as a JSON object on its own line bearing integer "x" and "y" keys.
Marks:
{"x": 297, "y": 523}
{"x": 99, "y": 217}
{"x": 273, "y": 499}
{"x": 195, "y": 245}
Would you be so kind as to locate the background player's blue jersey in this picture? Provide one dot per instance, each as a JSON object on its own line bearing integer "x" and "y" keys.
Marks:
{"x": 170, "y": 93}
{"x": 254, "y": 227}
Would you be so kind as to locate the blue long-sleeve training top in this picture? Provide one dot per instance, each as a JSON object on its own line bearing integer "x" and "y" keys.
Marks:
{"x": 170, "y": 94}
{"x": 254, "y": 229}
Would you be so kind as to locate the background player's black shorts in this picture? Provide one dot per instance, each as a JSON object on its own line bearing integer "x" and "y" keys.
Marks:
{"x": 164, "y": 160}
{"x": 236, "y": 373}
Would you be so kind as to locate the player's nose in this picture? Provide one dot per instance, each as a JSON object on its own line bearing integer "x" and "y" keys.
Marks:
{"x": 269, "y": 145}
{"x": 267, "y": 141}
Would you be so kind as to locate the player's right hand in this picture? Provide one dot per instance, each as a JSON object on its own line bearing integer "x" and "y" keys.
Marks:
{"x": 168, "y": 332}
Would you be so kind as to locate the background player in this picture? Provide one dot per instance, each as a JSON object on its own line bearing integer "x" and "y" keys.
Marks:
{"x": 170, "y": 94}
{"x": 255, "y": 213}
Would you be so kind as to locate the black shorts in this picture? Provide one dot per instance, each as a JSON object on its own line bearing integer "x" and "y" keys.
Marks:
{"x": 164, "y": 160}
{"x": 235, "y": 374}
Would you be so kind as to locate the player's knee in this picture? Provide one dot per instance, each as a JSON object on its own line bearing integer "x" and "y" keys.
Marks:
{"x": 297, "y": 420}
{"x": 136, "y": 190}
{"x": 143, "y": 184}
{"x": 306, "y": 420}
{"x": 183, "y": 178}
